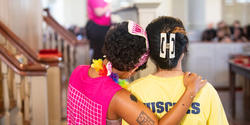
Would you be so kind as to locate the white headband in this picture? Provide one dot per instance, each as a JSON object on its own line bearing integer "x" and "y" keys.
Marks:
{"x": 136, "y": 29}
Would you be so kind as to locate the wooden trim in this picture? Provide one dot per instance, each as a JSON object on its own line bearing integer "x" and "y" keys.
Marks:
{"x": 17, "y": 42}
{"x": 21, "y": 69}
{"x": 65, "y": 34}
{"x": 24, "y": 48}
{"x": 60, "y": 30}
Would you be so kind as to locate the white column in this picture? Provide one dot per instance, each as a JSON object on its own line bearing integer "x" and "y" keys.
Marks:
{"x": 180, "y": 10}
{"x": 213, "y": 11}
{"x": 18, "y": 82}
{"x": 39, "y": 98}
{"x": 147, "y": 12}
{"x": 54, "y": 95}
{"x": 6, "y": 98}
{"x": 196, "y": 14}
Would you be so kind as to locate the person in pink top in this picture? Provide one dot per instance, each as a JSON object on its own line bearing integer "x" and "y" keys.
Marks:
{"x": 98, "y": 24}
{"x": 95, "y": 95}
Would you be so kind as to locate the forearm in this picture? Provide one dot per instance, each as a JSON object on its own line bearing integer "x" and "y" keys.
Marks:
{"x": 128, "y": 107}
{"x": 175, "y": 115}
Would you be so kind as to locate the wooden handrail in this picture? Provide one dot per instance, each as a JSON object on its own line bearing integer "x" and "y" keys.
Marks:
{"x": 24, "y": 48}
{"x": 21, "y": 69}
{"x": 64, "y": 33}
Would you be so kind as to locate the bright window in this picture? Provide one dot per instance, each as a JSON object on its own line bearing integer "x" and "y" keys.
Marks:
{"x": 243, "y": 1}
{"x": 229, "y": 2}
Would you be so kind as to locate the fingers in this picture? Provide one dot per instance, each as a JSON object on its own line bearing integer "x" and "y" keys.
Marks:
{"x": 193, "y": 82}
{"x": 203, "y": 81}
{"x": 186, "y": 74}
{"x": 189, "y": 74}
{"x": 194, "y": 75}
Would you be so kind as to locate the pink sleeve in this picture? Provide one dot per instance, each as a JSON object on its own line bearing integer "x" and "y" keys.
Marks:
{"x": 96, "y": 3}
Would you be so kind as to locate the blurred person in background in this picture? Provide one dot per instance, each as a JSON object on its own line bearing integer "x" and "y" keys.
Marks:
{"x": 209, "y": 34}
{"x": 221, "y": 24}
{"x": 247, "y": 32}
{"x": 79, "y": 32}
{"x": 72, "y": 29}
{"x": 238, "y": 35}
{"x": 236, "y": 25}
{"x": 223, "y": 35}
{"x": 99, "y": 15}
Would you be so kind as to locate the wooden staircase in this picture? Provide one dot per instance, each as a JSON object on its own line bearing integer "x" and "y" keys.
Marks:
{"x": 17, "y": 84}
{"x": 32, "y": 84}
{"x": 56, "y": 37}
{"x": 31, "y": 81}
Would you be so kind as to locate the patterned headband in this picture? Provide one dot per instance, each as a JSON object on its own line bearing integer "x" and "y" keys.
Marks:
{"x": 135, "y": 29}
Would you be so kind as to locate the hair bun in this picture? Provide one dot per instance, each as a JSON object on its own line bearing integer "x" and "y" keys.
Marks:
{"x": 168, "y": 25}
{"x": 181, "y": 39}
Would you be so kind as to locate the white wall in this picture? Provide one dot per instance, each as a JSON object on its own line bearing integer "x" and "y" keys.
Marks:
{"x": 68, "y": 12}
{"x": 175, "y": 8}
{"x": 196, "y": 14}
{"x": 180, "y": 10}
{"x": 236, "y": 11}
{"x": 193, "y": 13}
{"x": 165, "y": 8}
{"x": 56, "y": 9}
{"x": 75, "y": 12}
{"x": 213, "y": 11}
{"x": 210, "y": 60}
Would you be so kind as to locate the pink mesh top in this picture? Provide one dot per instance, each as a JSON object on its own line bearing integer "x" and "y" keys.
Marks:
{"x": 104, "y": 20}
{"x": 88, "y": 98}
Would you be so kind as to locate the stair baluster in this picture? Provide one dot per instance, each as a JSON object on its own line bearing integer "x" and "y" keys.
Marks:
{"x": 6, "y": 94}
{"x": 19, "y": 80}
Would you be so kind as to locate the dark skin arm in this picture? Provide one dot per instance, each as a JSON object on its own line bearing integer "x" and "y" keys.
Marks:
{"x": 125, "y": 105}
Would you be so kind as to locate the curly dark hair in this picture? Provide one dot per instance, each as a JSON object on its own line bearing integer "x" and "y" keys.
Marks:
{"x": 167, "y": 25}
{"x": 123, "y": 49}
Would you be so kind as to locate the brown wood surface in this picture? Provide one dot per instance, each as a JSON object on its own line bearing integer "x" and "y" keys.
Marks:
{"x": 22, "y": 69}
{"x": 21, "y": 46}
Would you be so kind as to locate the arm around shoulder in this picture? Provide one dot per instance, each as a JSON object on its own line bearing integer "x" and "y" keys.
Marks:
{"x": 128, "y": 107}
